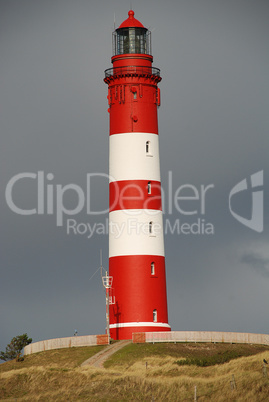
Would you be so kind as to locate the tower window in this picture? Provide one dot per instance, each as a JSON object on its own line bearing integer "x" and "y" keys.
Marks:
{"x": 151, "y": 230}
{"x": 154, "y": 315}
{"x": 149, "y": 187}
{"x": 148, "y": 149}
{"x": 152, "y": 268}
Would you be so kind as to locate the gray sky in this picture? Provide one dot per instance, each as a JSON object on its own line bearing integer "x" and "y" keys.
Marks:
{"x": 213, "y": 126}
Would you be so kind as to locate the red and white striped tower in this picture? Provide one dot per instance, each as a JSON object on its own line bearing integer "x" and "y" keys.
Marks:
{"x": 136, "y": 248}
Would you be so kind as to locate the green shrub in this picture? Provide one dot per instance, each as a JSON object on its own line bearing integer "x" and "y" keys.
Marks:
{"x": 209, "y": 360}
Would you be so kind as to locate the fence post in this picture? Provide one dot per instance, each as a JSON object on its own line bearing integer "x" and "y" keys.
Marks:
{"x": 195, "y": 393}
{"x": 233, "y": 381}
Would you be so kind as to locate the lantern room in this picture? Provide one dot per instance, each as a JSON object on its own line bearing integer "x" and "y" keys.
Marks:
{"x": 131, "y": 37}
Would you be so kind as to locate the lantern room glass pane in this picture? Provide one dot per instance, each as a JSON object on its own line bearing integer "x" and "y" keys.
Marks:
{"x": 131, "y": 40}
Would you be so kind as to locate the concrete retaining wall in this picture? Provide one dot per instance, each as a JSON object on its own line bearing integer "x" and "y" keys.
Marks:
{"x": 200, "y": 336}
{"x": 69, "y": 342}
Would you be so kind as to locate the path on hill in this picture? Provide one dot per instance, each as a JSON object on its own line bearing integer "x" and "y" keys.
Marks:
{"x": 99, "y": 359}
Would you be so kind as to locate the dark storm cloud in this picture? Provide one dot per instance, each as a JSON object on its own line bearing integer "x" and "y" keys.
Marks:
{"x": 258, "y": 263}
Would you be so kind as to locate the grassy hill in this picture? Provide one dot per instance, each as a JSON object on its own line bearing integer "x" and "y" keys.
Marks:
{"x": 142, "y": 372}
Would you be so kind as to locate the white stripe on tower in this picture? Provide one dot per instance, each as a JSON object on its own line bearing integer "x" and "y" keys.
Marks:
{"x": 135, "y": 232}
{"x": 134, "y": 156}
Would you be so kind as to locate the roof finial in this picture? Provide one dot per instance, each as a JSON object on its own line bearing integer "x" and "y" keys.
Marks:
{"x": 131, "y": 14}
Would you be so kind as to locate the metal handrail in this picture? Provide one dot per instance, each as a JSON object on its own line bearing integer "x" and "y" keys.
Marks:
{"x": 145, "y": 70}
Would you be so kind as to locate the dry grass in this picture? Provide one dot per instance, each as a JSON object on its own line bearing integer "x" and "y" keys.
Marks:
{"x": 57, "y": 376}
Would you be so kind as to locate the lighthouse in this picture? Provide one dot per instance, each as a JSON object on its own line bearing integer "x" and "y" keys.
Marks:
{"x": 138, "y": 300}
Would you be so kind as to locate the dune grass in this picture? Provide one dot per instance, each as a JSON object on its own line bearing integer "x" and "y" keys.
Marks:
{"x": 137, "y": 373}
{"x": 201, "y": 354}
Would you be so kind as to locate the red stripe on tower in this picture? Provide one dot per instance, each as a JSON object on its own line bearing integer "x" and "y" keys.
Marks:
{"x": 136, "y": 248}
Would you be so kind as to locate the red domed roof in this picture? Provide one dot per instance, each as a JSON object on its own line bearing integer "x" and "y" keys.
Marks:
{"x": 131, "y": 22}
